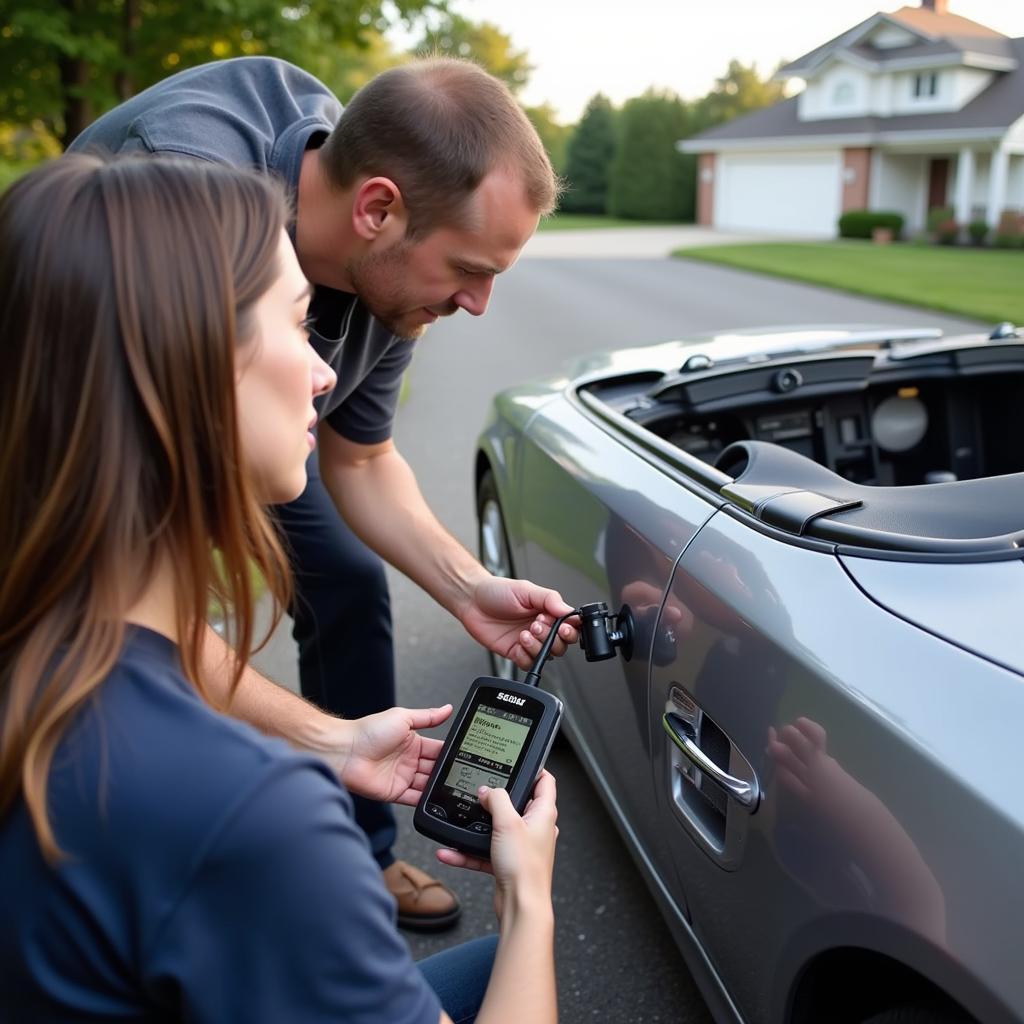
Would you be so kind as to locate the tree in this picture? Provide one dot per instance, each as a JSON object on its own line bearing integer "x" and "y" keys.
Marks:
{"x": 555, "y": 136}
{"x": 591, "y": 150}
{"x": 482, "y": 42}
{"x": 351, "y": 67}
{"x": 739, "y": 91}
{"x": 65, "y": 61}
{"x": 649, "y": 178}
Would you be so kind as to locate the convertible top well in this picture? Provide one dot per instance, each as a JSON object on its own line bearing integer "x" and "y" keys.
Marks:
{"x": 872, "y": 441}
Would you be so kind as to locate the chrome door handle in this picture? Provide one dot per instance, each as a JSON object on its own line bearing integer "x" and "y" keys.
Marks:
{"x": 746, "y": 794}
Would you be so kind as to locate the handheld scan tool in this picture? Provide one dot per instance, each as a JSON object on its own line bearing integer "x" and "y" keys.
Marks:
{"x": 501, "y": 738}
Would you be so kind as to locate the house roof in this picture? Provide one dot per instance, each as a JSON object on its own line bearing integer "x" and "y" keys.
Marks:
{"x": 929, "y": 22}
{"x": 940, "y": 35}
{"x": 996, "y": 107}
{"x": 948, "y": 48}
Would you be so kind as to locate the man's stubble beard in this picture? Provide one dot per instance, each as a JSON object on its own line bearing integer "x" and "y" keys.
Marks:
{"x": 374, "y": 279}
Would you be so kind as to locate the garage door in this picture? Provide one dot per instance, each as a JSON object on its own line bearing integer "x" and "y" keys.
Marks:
{"x": 798, "y": 193}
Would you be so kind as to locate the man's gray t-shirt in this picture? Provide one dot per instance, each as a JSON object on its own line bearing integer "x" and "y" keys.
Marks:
{"x": 264, "y": 113}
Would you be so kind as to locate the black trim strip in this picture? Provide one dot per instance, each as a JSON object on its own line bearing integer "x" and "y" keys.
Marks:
{"x": 693, "y": 469}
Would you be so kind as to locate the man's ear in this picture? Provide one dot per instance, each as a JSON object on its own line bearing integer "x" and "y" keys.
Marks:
{"x": 378, "y": 210}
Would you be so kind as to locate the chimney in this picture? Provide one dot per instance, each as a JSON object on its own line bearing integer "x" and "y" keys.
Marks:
{"x": 938, "y": 6}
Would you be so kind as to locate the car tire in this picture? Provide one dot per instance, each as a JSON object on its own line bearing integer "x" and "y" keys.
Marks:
{"x": 919, "y": 1015}
{"x": 495, "y": 554}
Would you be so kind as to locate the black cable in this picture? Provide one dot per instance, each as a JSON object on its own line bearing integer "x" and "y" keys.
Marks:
{"x": 533, "y": 676}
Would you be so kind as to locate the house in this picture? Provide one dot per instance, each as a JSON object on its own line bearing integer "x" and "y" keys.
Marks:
{"x": 907, "y": 111}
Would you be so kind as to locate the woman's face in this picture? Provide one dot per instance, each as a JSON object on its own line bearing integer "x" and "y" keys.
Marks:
{"x": 278, "y": 376}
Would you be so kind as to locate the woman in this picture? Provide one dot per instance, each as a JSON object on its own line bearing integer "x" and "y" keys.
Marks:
{"x": 159, "y": 860}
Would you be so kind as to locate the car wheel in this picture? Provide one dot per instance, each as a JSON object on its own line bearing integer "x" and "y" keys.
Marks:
{"x": 919, "y": 1015}
{"x": 494, "y": 554}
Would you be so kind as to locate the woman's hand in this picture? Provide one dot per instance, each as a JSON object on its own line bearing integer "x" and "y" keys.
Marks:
{"x": 522, "y": 848}
{"x": 383, "y": 757}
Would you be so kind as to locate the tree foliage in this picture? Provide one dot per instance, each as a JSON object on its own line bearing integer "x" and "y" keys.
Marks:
{"x": 63, "y": 62}
{"x": 482, "y": 42}
{"x": 350, "y": 67}
{"x": 648, "y": 179}
{"x": 555, "y": 136}
{"x": 633, "y": 169}
{"x": 589, "y": 159}
{"x": 739, "y": 91}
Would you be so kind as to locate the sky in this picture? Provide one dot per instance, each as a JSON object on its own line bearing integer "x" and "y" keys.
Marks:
{"x": 579, "y": 47}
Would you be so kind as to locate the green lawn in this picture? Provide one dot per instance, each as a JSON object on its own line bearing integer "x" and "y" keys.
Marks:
{"x": 985, "y": 284}
{"x": 589, "y": 221}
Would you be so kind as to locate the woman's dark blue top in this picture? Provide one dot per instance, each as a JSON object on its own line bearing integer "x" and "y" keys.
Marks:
{"x": 211, "y": 875}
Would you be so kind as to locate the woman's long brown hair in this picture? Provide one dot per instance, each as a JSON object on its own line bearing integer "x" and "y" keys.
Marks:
{"x": 125, "y": 288}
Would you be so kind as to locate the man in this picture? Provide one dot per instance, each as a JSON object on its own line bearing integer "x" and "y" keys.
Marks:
{"x": 407, "y": 207}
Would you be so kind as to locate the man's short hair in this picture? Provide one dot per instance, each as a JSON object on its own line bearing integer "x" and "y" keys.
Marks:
{"x": 437, "y": 127}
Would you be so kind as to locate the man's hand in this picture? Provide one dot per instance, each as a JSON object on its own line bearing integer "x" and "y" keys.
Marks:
{"x": 385, "y": 758}
{"x": 512, "y": 618}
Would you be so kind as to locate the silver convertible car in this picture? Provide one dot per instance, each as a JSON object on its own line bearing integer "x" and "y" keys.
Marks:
{"x": 814, "y": 750}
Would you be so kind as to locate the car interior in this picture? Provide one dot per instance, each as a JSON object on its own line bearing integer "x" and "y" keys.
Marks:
{"x": 912, "y": 439}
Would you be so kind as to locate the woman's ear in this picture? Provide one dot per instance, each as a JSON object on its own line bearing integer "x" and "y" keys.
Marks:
{"x": 378, "y": 210}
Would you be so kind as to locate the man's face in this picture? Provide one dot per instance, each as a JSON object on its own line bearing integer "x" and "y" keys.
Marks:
{"x": 409, "y": 285}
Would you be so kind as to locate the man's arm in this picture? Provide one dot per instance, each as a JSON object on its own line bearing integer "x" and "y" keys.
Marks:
{"x": 377, "y": 494}
{"x": 380, "y": 756}
{"x": 269, "y": 707}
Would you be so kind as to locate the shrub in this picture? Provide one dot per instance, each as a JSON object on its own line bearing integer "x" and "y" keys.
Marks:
{"x": 1010, "y": 230}
{"x": 860, "y": 223}
{"x": 947, "y": 231}
{"x": 938, "y": 215}
{"x": 978, "y": 230}
{"x": 1011, "y": 223}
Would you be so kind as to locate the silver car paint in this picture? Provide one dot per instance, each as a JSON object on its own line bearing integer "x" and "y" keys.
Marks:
{"x": 594, "y": 530}
{"x": 897, "y": 837}
{"x": 977, "y": 606}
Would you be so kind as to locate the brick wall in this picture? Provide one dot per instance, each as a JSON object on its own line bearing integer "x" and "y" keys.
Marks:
{"x": 706, "y": 189}
{"x": 856, "y": 177}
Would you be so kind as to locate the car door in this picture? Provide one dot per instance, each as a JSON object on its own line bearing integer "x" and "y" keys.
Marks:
{"x": 606, "y": 524}
{"x": 819, "y": 719}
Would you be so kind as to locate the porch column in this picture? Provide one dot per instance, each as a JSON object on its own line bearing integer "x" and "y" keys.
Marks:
{"x": 964, "y": 186}
{"x": 997, "y": 186}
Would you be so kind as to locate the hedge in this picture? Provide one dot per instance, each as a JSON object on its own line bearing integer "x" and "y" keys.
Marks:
{"x": 861, "y": 223}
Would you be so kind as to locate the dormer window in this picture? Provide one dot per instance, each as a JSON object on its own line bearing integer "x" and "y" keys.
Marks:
{"x": 926, "y": 85}
{"x": 843, "y": 94}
